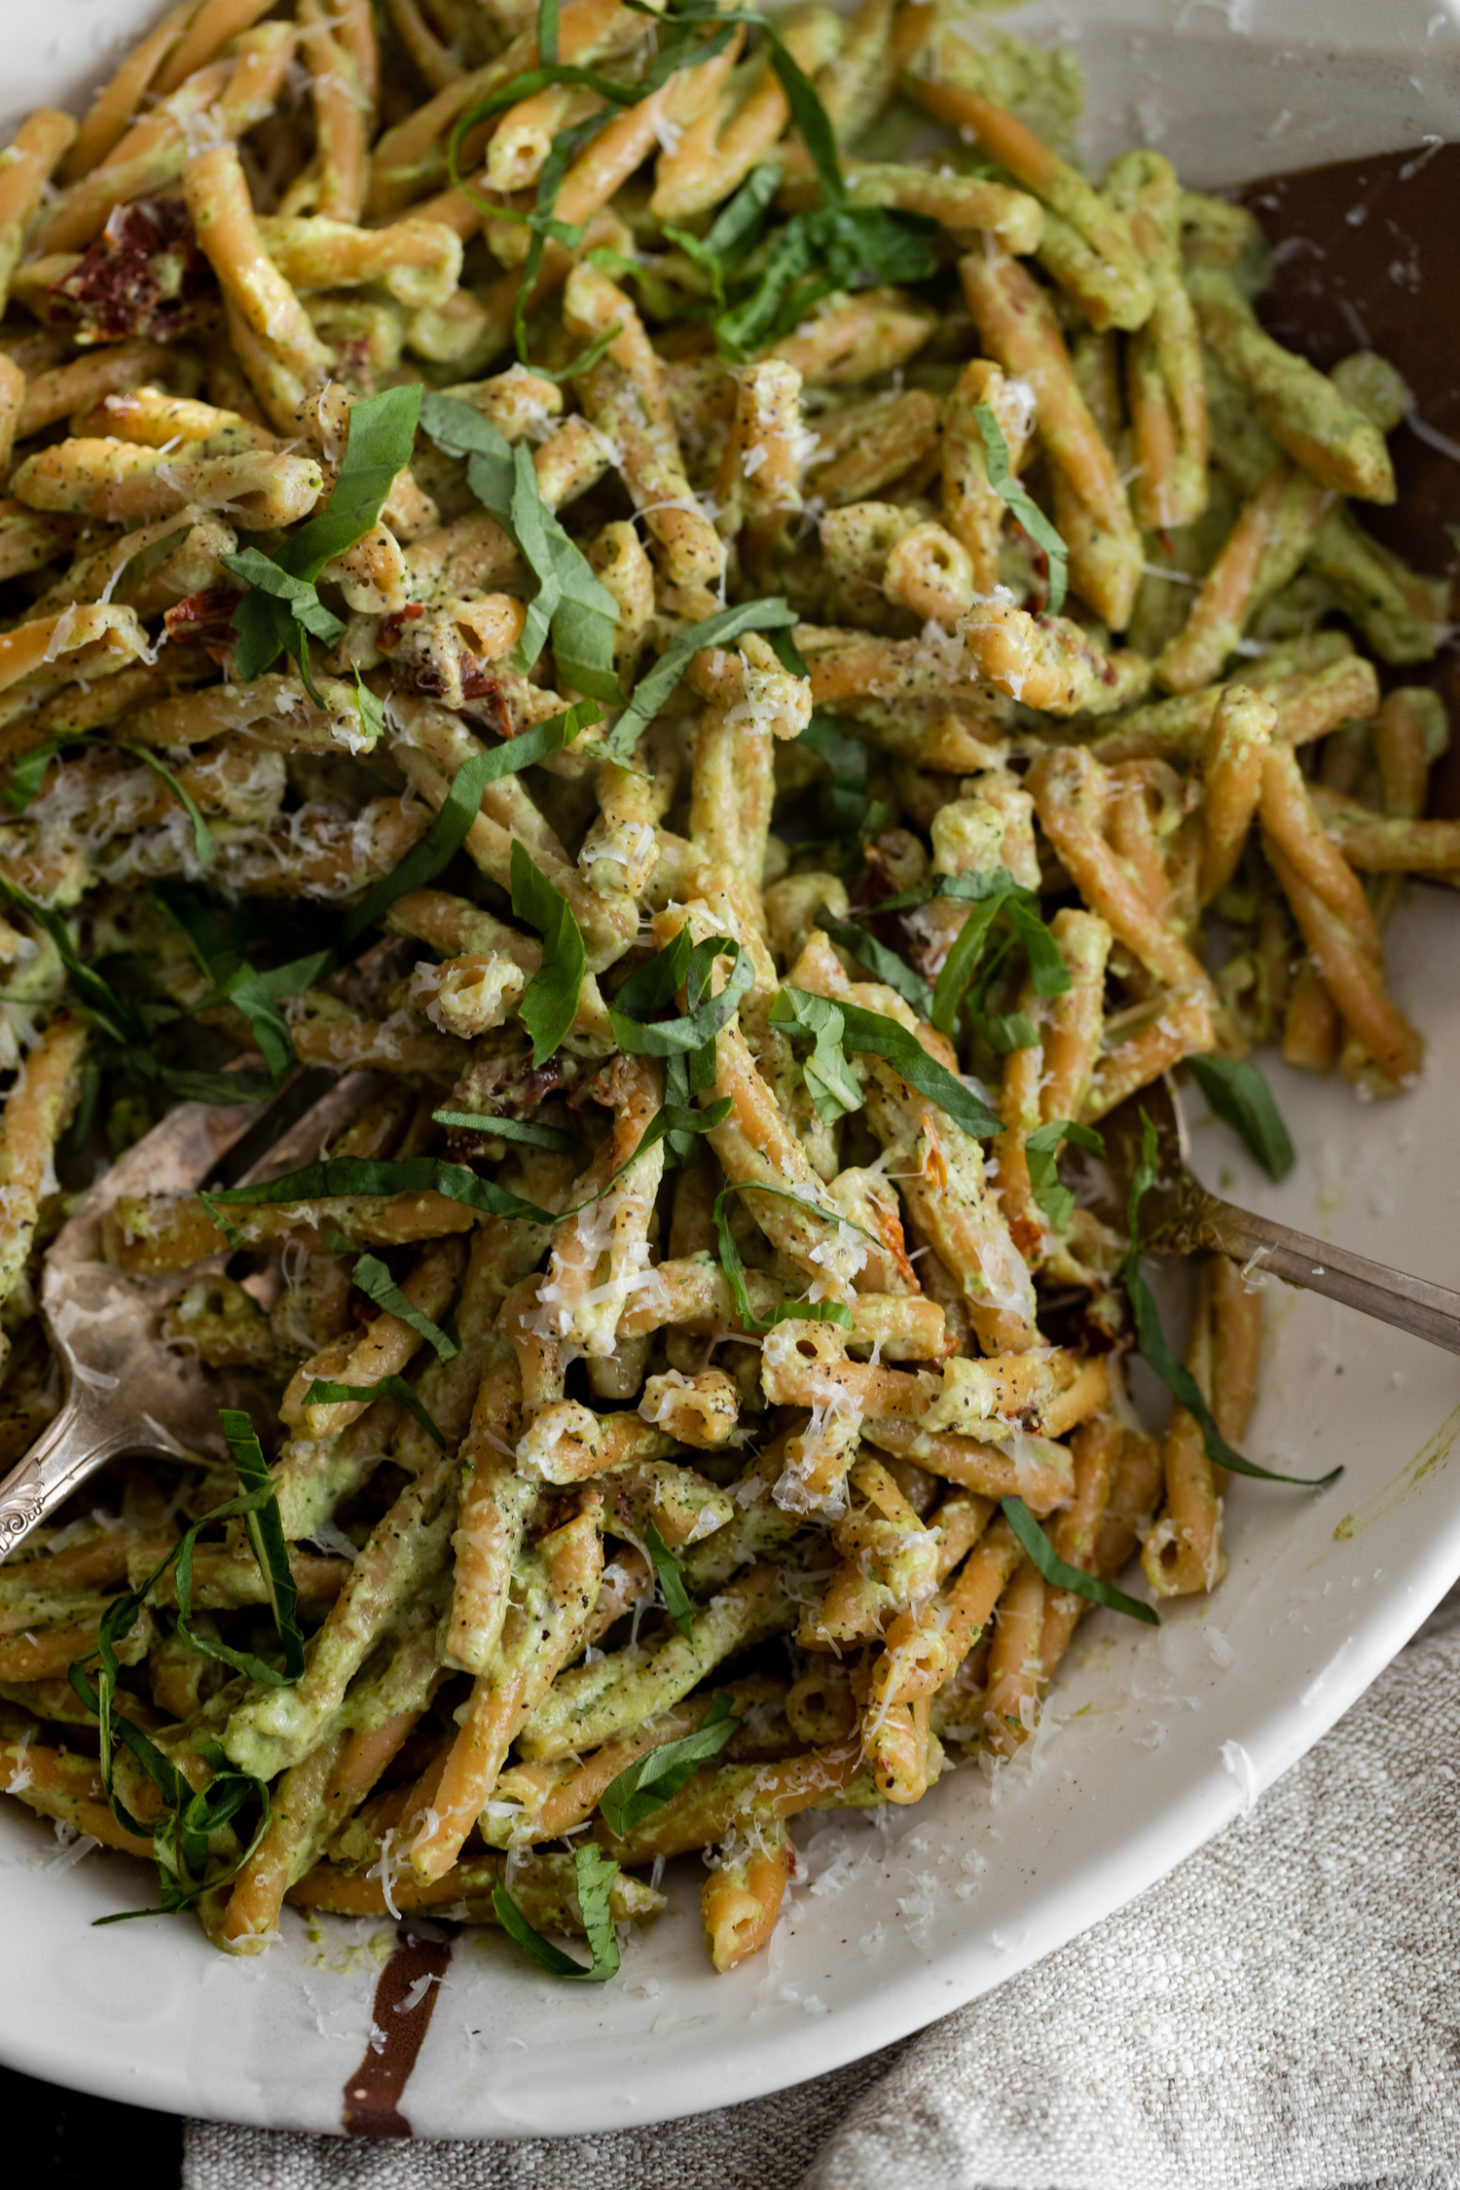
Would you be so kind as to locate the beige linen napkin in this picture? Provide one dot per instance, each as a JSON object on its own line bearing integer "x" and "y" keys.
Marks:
{"x": 1282, "y": 2013}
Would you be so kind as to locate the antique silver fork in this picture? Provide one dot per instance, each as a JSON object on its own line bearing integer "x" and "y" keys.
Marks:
{"x": 125, "y": 1390}
{"x": 1179, "y": 1214}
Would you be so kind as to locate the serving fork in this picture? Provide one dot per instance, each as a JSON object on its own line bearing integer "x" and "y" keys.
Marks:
{"x": 126, "y": 1390}
{"x": 1179, "y": 1214}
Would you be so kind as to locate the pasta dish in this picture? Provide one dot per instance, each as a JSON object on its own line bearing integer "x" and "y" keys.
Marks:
{"x": 733, "y": 655}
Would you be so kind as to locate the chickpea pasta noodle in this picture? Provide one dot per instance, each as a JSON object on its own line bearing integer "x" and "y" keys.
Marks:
{"x": 534, "y": 581}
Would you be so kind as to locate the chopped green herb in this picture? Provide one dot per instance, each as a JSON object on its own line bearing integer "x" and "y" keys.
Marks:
{"x": 509, "y": 1129}
{"x": 677, "y": 47}
{"x": 670, "y": 1576}
{"x": 116, "y": 1018}
{"x": 961, "y": 964}
{"x": 690, "y": 965}
{"x": 372, "y": 1277}
{"x": 182, "y": 1840}
{"x": 733, "y": 1266}
{"x": 1074, "y": 1578}
{"x": 266, "y": 1533}
{"x": 845, "y": 756}
{"x": 282, "y": 609}
{"x": 1041, "y": 1152}
{"x": 651, "y": 1779}
{"x": 595, "y": 1874}
{"x": 1022, "y": 506}
{"x": 734, "y": 231}
{"x": 448, "y": 832}
{"x": 834, "y": 1088}
{"x": 322, "y": 1394}
{"x": 550, "y": 1001}
{"x": 832, "y": 247}
{"x": 1242, "y": 1099}
{"x": 655, "y": 686}
{"x": 571, "y": 603}
{"x": 893, "y": 972}
{"x": 364, "y": 1175}
{"x": 235, "y": 981}
{"x": 28, "y": 773}
{"x": 879, "y": 1036}
{"x": 989, "y": 897}
{"x": 1157, "y": 1355}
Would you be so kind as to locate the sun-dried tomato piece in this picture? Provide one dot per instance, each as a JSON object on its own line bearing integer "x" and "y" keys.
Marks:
{"x": 205, "y": 619}
{"x": 482, "y": 692}
{"x": 391, "y": 629}
{"x": 144, "y": 275}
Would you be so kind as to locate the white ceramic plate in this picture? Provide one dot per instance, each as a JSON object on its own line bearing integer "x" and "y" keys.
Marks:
{"x": 1152, "y": 1742}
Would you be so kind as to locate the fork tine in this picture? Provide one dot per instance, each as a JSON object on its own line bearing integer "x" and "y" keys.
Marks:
{"x": 227, "y": 1143}
{"x": 291, "y": 1130}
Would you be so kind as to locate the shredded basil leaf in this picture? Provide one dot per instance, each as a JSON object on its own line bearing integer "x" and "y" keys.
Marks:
{"x": 733, "y": 1266}
{"x": 651, "y": 1779}
{"x": 851, "y": 812}
{"x": 322, "y": 1394}
{"x": 879, "y": 1036}
{"x": 653, "y": 985}
{"x": 595, "y": 1873}
{"x": 344, "y": 1175}
{"x": 448, "y": 832}
{"x": 182, "y": 1838}
{"x": 816, "y": 253}
{"x": 655, "y": 686}
{"x": 989, "y": 897}
{"x": 1157, "y": 1355}
{"x": 235, "y": 981}
{"x": 509, "y": 1129}
{"x": 372, "y": 1277}
{"x": 112, "y": 1014}
{"x": 831, "y": 1083}
{"x": 670, "y": 1575}
{"x": 893, "y": 972}
{"x": 28, "y": 773}
{"x": 549, "y": 1003}
{"x": 1041, "y": 1153}
{"x": 571, "y": 603}
{"x": 961, "y": 964}
{"x": 1063, "y": 1576}
{"x": 281, "y": 609}
{"x": 1022, "y": 506}
{"x": 690, "y": 965}
{"x": 1242, "y": 1099}
{"x": 734, "y": 230}
{"x": 266, "y": 1534}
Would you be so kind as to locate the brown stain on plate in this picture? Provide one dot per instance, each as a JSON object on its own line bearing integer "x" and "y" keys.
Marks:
{"x": 1366, "y": 255}
{"x": 405, "y": 1999}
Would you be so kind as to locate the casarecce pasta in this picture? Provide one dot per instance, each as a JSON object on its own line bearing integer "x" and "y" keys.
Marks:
{"x": 755, "y": 652}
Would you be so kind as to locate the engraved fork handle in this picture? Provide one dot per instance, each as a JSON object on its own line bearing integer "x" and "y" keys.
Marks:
{"x": 69, "y": 1449}
{"x": 1411, "y": 1304}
